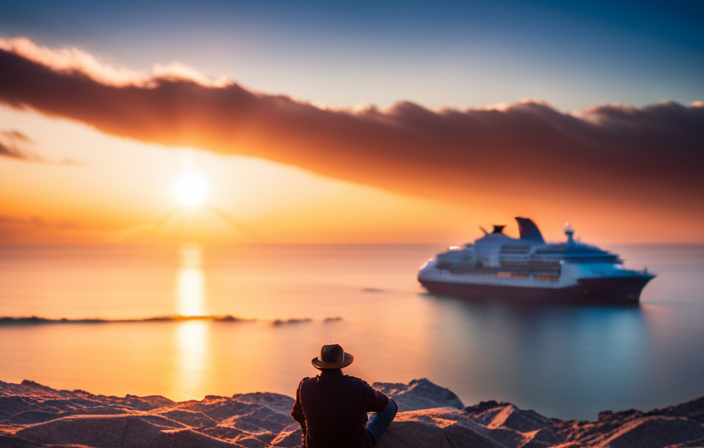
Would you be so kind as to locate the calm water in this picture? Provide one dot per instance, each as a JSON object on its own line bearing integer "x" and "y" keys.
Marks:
{"x": 568, "y": 362}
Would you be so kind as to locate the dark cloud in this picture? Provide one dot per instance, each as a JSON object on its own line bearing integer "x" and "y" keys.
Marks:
{"x": 9, "y": 147}
{"x": 528, "y": 152}
{"x": 7, "y": 152}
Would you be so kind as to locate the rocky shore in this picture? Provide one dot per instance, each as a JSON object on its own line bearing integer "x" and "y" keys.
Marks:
{"x": 32, "y": 415}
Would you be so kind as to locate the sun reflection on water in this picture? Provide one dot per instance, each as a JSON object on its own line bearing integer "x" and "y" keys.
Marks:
{"x": 190, "y": 282}
{"x": 191, "y": 358}
{"x": 192, "y": 337}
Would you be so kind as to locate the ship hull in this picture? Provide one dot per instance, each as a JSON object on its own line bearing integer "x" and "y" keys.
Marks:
{"x": 615, "y": 288}
{"x": 622, "y": 290}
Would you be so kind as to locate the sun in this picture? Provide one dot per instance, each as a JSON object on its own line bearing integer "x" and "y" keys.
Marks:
{"x": 191, "y": 189}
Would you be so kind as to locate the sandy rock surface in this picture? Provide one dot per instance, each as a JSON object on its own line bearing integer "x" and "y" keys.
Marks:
{"x": 33, "y": 416}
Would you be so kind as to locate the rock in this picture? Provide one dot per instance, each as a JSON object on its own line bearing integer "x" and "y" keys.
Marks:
{"x": 259, "y": 441}
{"x": 277, "y": 402}
{"x": 655, "y": 432}
{"x": 102, "y": 410}
{"x": 190, "y": 418}
{"x": 146, "y": 403}
{"x": 289, "y": 437}
{"x": 420, "y": 394}
{"x": 188, "y": 439}
{"x": 692, "y": 410}
{"x": 260, "y": 419}
{"x": 508, "y": 437}
{"x": 484, "y": 406}
{"x": 30, "y": 417}
{"x": 40, "y": 387}
{"x": 414, "y": 432}
{"x": 72, "y": 403}
{"x": 223, "y": 432}
{"x": 436, "y": 427}
{"x": 35, "y": 416}
{"x": 110, "y": 431}
{"x": 252, "y": 413}
{"x": 517, "y": 419}
{"x": 219, "y": 409}
{"x": 459, "y": 435}
{"x": 12, "y": 405}
{"x": 541, "y": 438}
{"x": 699, "y": 443}
{"x": 15, "y": 442}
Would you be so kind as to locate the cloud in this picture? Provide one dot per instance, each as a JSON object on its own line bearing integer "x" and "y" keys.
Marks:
{"x": 37, "y": 222}
{"x": 16, "y": 229}
{"x": 10, "y": 152}
{"x": 70, "y": 60}
{"x": 10, "y": 142}
{"x": 9, "y": 146}
{"x": 16, "y": 135}
{"x": 527, "y": 152}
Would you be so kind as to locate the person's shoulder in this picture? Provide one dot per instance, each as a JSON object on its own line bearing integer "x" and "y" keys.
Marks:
{"x": 356, "y": 380}
{"x": 307, "y": 379}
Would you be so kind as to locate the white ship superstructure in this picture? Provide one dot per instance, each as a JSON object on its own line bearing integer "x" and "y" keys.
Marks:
{"x": 527, "y": 267}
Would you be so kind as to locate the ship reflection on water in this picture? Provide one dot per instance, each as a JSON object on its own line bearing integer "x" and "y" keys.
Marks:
{"x": 565, "y": 357}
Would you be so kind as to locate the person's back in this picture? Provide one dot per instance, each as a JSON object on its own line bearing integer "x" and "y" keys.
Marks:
{"x": 332, "y": 407}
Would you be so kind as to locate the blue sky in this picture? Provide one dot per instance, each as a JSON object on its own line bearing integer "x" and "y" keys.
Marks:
{"x": 461, "y": 54}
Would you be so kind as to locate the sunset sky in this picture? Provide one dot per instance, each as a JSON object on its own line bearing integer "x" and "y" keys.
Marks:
{"x": 367, "y": 122}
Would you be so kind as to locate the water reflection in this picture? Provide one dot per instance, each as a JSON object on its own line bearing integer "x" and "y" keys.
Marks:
{"x": 192, "y": 338}
{"x": 566, "y": 358}
{"x": 190, "y": 282}
{"x": 192, "y": 359}
{"x": 568, "y": 362}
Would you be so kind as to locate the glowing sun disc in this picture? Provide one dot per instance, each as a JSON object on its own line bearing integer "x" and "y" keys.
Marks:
{"x": 191, "y": 189}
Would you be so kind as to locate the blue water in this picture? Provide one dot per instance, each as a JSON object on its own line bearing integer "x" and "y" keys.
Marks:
{"x": 562, "y": 361}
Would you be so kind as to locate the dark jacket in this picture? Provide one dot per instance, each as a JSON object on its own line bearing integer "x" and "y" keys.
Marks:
{"x": 332, "y": 410}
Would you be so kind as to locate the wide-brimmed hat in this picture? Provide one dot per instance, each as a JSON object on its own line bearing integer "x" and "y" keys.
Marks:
{"x": 332, "y": 357}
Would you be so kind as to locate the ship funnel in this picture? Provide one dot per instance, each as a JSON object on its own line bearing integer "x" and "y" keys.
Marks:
{"x": 529, "y": 231}
{"x": 569, "y": 231}
{"x": 498, "y": 229}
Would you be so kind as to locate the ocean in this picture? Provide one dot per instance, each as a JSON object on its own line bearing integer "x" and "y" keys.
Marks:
{"x": 288, "y": 300}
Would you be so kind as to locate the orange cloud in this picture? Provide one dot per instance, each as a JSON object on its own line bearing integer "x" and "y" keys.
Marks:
{"x": 15, "y": 229}
{"x": 526, "y": 154}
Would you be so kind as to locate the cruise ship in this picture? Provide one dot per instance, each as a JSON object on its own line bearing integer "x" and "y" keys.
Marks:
{"x": 528, "y": 268}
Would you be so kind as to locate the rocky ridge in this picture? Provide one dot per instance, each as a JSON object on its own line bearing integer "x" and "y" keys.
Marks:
{"x": 33, "y": 415}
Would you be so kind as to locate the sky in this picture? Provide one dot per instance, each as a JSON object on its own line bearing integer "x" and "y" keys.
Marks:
{"x": 372, "y": 122}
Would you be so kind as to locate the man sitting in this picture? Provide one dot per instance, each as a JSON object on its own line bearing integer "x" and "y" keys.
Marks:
{"x": 332, "y": 407}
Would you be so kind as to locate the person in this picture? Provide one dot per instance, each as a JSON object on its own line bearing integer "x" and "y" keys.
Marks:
{"x": 332, "y": 407}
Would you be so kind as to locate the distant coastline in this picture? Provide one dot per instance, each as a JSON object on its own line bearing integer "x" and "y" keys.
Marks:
{"x": 35, "y": 320}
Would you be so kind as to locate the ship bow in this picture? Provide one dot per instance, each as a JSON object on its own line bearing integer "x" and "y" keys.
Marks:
{"x": 625, "y": 289}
